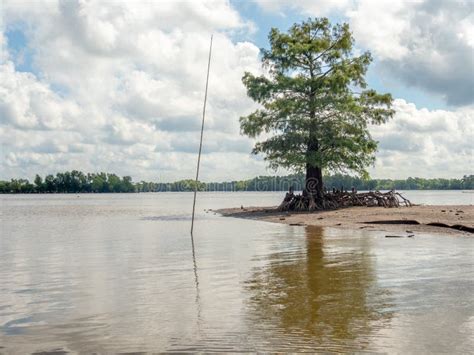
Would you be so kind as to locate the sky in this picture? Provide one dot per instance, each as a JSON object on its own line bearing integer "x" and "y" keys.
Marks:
{"x": 118, "y": 86}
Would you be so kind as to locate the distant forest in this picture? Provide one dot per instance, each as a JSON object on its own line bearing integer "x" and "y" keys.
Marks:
{"x": 79, "y": 182}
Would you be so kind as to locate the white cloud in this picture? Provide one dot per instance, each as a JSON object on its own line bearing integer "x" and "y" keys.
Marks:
{"x": 28, "y": 103}
{"x": 427, "y": 44}
{"x": 425, "y": 143}
{"x": 307, "y": 7}
{"x": 379, "y": 25}
{"x": 131, "y": 78}
{"x": 119, "y": 87}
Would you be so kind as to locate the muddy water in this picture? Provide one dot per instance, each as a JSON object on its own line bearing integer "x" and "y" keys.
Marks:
{"x": 117, "y": 273}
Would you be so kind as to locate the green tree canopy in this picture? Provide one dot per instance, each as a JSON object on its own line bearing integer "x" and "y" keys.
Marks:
{"x": 315, "y": 105}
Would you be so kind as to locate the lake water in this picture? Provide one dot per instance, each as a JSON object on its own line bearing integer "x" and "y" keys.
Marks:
{"x": 117, "y": 273}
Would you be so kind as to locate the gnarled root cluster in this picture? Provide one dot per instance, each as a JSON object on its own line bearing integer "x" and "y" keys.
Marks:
{"x": 308, "y": 202}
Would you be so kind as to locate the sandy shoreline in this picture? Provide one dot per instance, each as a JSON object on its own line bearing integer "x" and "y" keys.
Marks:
{"x": 409, "y": 220}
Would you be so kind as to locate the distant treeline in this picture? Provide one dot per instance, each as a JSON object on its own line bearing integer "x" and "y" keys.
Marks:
{"x": 79, "y": 182}
{"x": 70, "y": 182}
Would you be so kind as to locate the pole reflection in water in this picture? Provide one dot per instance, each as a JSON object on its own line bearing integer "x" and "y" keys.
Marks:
{"x": 328, "y": 294}
{"x": 196, "y": 283}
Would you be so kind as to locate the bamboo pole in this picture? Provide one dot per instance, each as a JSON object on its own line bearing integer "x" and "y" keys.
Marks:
{"x": 200, "y": 143}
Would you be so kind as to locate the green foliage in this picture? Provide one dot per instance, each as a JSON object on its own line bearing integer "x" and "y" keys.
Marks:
{"x": 297, "y": 181}
{"x": 467, "y": 182}
{"x": 181, "y": 185}
{"x": 39, "y": 186}
{"x": 70, "y": 182}
{"x": 314, "y": 102}
{"x": 401, "y": 184}
{"x": 78, "y": 182}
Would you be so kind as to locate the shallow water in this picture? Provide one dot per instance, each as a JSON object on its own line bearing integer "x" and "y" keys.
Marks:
{"x": 116, "y": 273}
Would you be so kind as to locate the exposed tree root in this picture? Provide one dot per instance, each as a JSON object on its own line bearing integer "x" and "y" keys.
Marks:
{"x": 329, "y": 201}
{"x": 459, "y": 227}
{"x": 394, "y": 221}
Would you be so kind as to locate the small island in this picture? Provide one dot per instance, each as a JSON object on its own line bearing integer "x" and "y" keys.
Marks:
{"x": 404, "y": 221}
{"x": 315, "y": 115}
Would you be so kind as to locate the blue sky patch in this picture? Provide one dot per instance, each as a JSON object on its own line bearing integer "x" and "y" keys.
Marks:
{"x": 22, "y": 54}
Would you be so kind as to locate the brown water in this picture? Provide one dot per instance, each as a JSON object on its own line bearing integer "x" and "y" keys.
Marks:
{"x": 116, "y": 273}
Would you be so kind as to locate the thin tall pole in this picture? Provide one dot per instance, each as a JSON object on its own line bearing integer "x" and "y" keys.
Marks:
{"x": 200, "y": 143}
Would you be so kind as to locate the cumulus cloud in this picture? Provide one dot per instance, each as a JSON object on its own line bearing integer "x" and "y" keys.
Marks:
{"x": 427, "y": 143}
{"x": 426, "y": 44}
{"x": 307, "y": 7}
{"x": 28, "y": 103}
{"x": 119, "y": 87}
{"x": 131, "y": 79}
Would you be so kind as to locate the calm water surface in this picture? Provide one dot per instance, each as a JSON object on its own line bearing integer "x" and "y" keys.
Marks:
{"x": 116, "y": 273}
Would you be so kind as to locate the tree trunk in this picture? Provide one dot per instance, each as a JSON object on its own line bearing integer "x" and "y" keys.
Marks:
{"x": 314, "y": 181}
{"x": 314, "y": 175}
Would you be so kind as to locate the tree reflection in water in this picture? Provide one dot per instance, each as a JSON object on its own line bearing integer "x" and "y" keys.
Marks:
{"x": 324, "y": 295}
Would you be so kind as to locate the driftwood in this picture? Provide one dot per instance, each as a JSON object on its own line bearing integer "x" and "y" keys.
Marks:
{"x": 334, "y": 200}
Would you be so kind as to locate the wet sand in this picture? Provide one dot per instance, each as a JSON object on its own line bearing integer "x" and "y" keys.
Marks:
{"x": 401, "y": 221}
